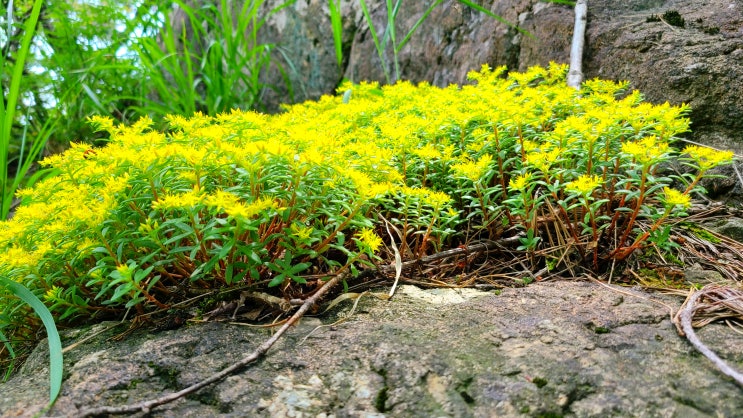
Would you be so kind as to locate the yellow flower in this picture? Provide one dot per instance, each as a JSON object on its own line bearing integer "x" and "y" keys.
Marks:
{"x": 583, "y": 184}
{"x": 437, "y": 199}
{"x": 675, "y": 197}
{"x": 647, "y": 150}
{"x": 124, "y": 271}
{"x": 179, "y": 200}
{"x": 52, "y": 294}
{"x": 18, "y": 257}
{"x": 102, "y": 123}
{"x": 427, "y": 152}
{"x": 707, "y": 158}
{"x": 243, "y": 211}
{"x": 312, "y": 156}
{"x": 427, "y": 196}
{"x": 221, "y": 199}
{"x": 473, "y": 170}
{"x": 368, "y": 239}
{"x": 530, "y": 146}
{"x": 519, "y": 182}
{"x": 543, "y": 160}
{"x": 301, "y": 233}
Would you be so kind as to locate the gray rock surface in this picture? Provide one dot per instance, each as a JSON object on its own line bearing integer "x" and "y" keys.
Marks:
{"x": 573, "y": 349}
{"x": 731, "y": 227}
{"x": 700, "y": 64}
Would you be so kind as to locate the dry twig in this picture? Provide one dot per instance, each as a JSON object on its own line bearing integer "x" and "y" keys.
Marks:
{"x": 146, "y": 406}
{"x": 721, "y": 302}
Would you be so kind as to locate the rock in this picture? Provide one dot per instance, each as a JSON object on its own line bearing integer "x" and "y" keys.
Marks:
{"x": 700, "y": 64}
{"x": 550, "y": 349}
{"x": 730, "y": 227}
{"x": 304, "y": 48}
{"x": 697, "y": 64}
{"x": 697, "y": 275}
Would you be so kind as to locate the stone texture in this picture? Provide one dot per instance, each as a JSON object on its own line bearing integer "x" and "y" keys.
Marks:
{"x": 700, "y": 64}
{"x": 550, "y": 349}
{"x": 731, "y": 227}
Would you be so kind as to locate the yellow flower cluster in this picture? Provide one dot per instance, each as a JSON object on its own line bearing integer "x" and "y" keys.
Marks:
{"x": 707, "y": 158}
{"x": 434, "y": 199}
{"x": 543, "y": 160}
{"x": 674, "y": 197}
{"x": 647, "y": 150}
{"x": 473, "y": 170}
{"x": 369, "y": 239}
{"x": 519, "y": 182}
{"x": 584, "y": 184}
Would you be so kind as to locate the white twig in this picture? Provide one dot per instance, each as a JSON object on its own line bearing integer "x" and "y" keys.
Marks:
{"x": 398, "y": 256}
{"x": 575, "y": 75}
{"x": 685, "y": 316}
{"x": 737, "y": 173}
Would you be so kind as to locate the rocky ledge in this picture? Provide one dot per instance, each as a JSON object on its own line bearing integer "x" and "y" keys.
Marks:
{"x": 550, "y": 349}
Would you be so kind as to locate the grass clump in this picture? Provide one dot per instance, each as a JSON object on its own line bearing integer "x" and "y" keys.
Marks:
{"x": 674, "y": 18}
{"x": 282, "y": 203}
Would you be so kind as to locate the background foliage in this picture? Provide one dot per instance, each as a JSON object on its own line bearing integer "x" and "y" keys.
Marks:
{"x": 126, "y": 60}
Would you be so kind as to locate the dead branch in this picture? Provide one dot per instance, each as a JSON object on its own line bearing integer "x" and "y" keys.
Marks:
{"x": 719, "y": 296}
{"x": 146, "y": 406}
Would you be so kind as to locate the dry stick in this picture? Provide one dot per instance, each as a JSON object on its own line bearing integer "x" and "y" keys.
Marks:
{"x": 737, "y": 173}
{"x": 685, "y": 316}
{"x": 146, "y": 406}
{"x": 90, "y": 337}
{"x": 338, "y": 322}
{"x": 398, "y": 256}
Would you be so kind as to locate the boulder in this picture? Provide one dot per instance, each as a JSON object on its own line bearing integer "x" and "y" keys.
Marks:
{"x": 563, "y": 348}
{"x": 700, "y": 63}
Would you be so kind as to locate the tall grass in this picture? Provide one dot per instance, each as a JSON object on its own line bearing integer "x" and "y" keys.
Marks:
{"x": 8, "y": 106}
{"x": 216, "y": 67}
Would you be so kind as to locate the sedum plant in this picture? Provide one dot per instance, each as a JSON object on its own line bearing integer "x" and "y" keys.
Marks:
{"x": 281, "y": 203}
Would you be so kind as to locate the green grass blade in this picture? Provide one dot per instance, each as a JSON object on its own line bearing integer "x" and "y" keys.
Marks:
{"x": 337, "y": 25}
{"x": 389, "y": 30}
{"x": 11, "y": 364}
{"x": 24, "y": 136}
{"x": 93, "y": 96}
{"x": 55, "y": 344}
{"x": 37, "y": 147}
{"x": 287, "y": 77}
{"x": 11, "y": 355}
{"x": 8, "y": 109}
{"x": 375, "y": 38}
{"x": 278, "y": 8}
{"x": 391, "y": 34}
{"x": 20, "y": 60}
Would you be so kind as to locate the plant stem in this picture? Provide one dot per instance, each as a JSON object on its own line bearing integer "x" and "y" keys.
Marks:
{"x": 636, "y": 211}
